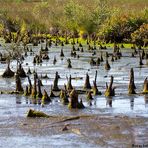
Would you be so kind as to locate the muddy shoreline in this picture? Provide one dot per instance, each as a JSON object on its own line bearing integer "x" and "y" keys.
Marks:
{"x": 91, "y": 130}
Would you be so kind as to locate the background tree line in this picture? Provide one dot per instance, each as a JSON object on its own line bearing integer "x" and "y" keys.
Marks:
{"x": 106, "y": 20}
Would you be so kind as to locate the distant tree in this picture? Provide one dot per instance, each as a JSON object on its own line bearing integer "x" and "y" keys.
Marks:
{"x": 119, "y": 26}
{"x": 91, "y": 20}
{"x": 140, "y": 36}
{"x": 72, "y": 11}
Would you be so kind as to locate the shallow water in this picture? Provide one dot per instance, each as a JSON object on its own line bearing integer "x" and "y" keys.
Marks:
{"x": 14, "y": 107}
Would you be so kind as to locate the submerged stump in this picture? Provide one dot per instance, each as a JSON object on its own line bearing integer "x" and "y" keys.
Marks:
{"x": 21, "y": 72}
{"x": 82, "y": 50}
{"x": 95, "y": 89}
{"x": 45, "y": 57}
{"x": 89, "y": 96}
{"x": 69, "y": 84}
{"x": 69, "y": 63}
{"x": 55, "y": 83}
{"x": 62, "y": 53}
{"x": 107, "y": 66}
{"x": 87, "y": 82}
{"x": 110, "y": 91}
{"x": 8, "y": 73}
{"x": 74, "y": 103}
{"x": 92, "y": 62}
{"x": 140, "y": 59}
{"x": 54, "y": 60}
{"x": 39, "y": 94}
{"x": 98, "y": 61}
{"x": 34, "y": 113}
{"x": 19, "y": 87}
{"x": 143, "y": 54}
{"x": 145, "y": 86}
{"x": 131, "y": 85}
{"x": 45, "y": 98}
{"x": 34, "y": 89}
{"x": 64, "y": 97}
{"x": 101, "y": 58}
{"x": 29, "y": 71}
{"x": 51, "y": 93}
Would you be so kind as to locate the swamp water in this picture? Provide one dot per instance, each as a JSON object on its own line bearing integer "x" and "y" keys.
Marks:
{"x": 18, "y": 131}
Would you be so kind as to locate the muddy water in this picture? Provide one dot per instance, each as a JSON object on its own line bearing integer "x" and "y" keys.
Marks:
{"x": 17, "y": 131}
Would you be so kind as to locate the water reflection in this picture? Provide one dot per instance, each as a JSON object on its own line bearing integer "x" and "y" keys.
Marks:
{"x": 90, "y": 103}
{"x": 146, "y": 100}
{"x": 132, "y": 103}
{"x": 8, "y": 82}
{"x": 26, "y": 100}
{"x": 35, "y": 101}
{"x": 18, "y": 99}
{"x": 109, "y": 101}
{"x": 95, "y": 102}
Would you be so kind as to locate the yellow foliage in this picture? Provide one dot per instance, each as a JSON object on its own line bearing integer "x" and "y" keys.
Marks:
{"x": 23, "y": 28}
{"x": 81, "y": 33}
{"x": 1, "y": 27}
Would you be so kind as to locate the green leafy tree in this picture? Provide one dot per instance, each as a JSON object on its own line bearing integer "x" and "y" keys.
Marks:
{"x": 72, "y": 11}
{"x": 118, "y": 27}
{"x": 92, "y": 19}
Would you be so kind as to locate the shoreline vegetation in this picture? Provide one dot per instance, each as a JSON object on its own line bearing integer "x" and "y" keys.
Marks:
{"x": 101, "y": 21}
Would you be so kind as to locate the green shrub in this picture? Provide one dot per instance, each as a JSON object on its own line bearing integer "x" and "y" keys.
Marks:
{"x": 119, "y": 27}
{"x": 140, "y": 36}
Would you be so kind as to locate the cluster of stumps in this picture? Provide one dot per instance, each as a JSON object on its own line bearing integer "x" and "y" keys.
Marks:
{"x": 68, "y": 94}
